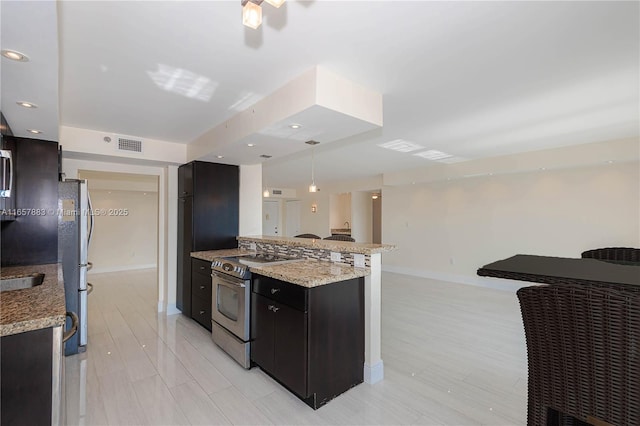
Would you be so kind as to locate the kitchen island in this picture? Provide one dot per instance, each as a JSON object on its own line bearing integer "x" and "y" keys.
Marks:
{"x": 355, "y": 258}
{"x": 31, "y": 329}
{"x": 307, "y": 321}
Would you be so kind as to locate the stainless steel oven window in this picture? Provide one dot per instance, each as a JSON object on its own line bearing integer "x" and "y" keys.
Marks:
{"x": 227, "y": 299}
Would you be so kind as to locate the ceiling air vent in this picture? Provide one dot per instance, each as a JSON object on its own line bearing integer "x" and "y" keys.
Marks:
{"x": 129, "y": 144}
{"x": 276, "y": 191}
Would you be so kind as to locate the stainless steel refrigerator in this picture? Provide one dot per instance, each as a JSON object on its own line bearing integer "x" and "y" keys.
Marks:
{"x": 75, "y": 225}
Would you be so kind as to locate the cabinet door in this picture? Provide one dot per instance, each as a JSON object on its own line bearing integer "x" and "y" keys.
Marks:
{"x": 262, "y": 332}
{"x": 185, "y": 180}
{"x": 290, "y": 344}
{"x": 185, "y": 238}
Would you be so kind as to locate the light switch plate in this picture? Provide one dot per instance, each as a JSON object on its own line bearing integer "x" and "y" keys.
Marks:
{"x": 336, "y": 257}
{"x": 358, "y": 260}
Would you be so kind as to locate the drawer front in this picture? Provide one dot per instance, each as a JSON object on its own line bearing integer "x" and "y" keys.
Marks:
{"x": 201, "y": 303}
{"x": 289, "y": 294}
{"x": 201, "y": 266}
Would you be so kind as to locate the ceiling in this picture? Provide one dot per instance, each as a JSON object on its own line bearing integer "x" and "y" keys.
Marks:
{"x": 472, "y": 79}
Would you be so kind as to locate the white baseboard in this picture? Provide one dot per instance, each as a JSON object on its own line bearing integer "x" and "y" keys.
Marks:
{"x": 374, "y": 373}
{"x": 172, "y": 309}
{"x": 487, "y": 282}
{"x": 121, "y": 268}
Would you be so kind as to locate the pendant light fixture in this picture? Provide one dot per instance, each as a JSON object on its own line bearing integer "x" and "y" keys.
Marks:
{"x": 252, "y": 11}
{"x": 312, "y": 187}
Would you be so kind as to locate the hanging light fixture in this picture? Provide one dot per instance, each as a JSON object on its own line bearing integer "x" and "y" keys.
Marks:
{"x": 252, "y": 11}
{"x": 312, "y": 187}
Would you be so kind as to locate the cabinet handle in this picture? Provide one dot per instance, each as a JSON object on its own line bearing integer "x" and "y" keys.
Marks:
{"x": 184, "y": 192}
{"x": 273, "y": 308}
{"x": 201, "y": 287}
{"x": 183, "y": 200}
{"x": 274, "y": 290}
{"x": 202, "y": 268}
{"x": 201, "y": 312}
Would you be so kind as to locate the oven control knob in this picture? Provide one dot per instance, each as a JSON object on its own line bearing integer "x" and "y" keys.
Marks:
{"x": 227, "y": 267}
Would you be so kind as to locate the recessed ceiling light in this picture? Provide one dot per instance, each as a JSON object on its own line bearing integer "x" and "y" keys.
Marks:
{"x": 265, "y": 156}
{"x": 610, "y": 162}
{"x": 15, "y": 55}
{"x": 34, "y": 131}
{"x": 219, "y": 156}
{"x": 27, "y": 104}
{"x": 295, "y": 126}
{"x": 401, "y": 145}
{"x": 433, "y": 154}
{"x": 251, "y": 145}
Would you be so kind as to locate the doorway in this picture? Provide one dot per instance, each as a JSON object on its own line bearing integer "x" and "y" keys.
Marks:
{"x": 125, "y": 212}
{"x": 270, "y": 218}
{"x": 292, "y": 215}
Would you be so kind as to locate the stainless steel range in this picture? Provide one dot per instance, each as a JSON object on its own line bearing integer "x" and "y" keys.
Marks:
{"x": 230, "y": 310}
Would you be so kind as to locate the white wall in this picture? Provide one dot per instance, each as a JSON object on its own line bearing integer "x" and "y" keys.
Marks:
{"x": 250, "y": 200}
{"x": 361, "y": 216}
{"x": 318, "y": 222}
{"x": 340, "y": 210}
{"x": 123, "y": 242}
{"x": 450, "y": 229}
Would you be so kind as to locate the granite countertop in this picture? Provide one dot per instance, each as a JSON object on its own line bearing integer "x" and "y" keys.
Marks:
{"x": 332, "y": 245}
{"x": 311, "y": 273}
{"x": 306, "y": 273}
{"x": 33, "y": 308}
{"x": 209, "y": 255}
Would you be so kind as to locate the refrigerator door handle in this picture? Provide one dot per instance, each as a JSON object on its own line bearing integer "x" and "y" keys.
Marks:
{"x": 83, "y": 318}
{"x": 90, "y": 219}
{"x": 74, "y": 327}
{"x": 89, "y": 288}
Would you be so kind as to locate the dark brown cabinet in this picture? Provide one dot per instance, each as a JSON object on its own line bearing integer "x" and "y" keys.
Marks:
{"x": 309, "y": 339}
{"x": 32, "y": 238}
{"x": 31, "y": 368}
{"x": 201, "y": 292}
{"x": 208, "y": 208}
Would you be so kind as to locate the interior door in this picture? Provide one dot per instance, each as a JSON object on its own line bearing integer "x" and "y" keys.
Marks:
{"x": 293, "y": 218}
{"x": 271, "y": 218}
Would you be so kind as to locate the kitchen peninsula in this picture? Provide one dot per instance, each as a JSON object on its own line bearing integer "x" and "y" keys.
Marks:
{"x": 32, "y": 317}
{"x": 319, "y": 270}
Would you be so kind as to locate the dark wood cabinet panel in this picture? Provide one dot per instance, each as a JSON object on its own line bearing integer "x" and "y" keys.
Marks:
{"x": 290, "y": 348}
{"x": 185, "y": 238}
{"x": 317, "y": 352}
{"x": 201, "y": 292}
{"x": 185, "y": 180}
{"x": 26, "y": 370}
{"x": 32, "y": 238}
{"x": 262, "y": 332}
{"x": 208, "y": 219}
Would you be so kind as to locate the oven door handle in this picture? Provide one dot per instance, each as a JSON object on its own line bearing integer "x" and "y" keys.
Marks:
{"x": 226, "y": 281}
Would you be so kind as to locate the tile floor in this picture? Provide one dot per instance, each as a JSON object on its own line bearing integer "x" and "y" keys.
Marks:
{"x": 453, "y": 354}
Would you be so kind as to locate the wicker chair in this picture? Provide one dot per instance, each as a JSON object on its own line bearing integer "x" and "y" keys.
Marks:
{"x": 583, "y": 349}
{"x": 307, "y": 236}
{"x": 614, "y": 254}
{"x": 337, "y": 237}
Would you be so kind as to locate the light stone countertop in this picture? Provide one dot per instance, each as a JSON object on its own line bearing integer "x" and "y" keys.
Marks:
{"x": 332, "y": 245}
{"x": 32, "y": 308}
{"x": 311, "y": 273}
{"x": 209, "y": 255}
{"x": 306, "y": 273}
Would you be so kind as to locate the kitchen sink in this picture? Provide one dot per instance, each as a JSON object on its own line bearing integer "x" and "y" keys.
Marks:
{"x": 17, "y": 283}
